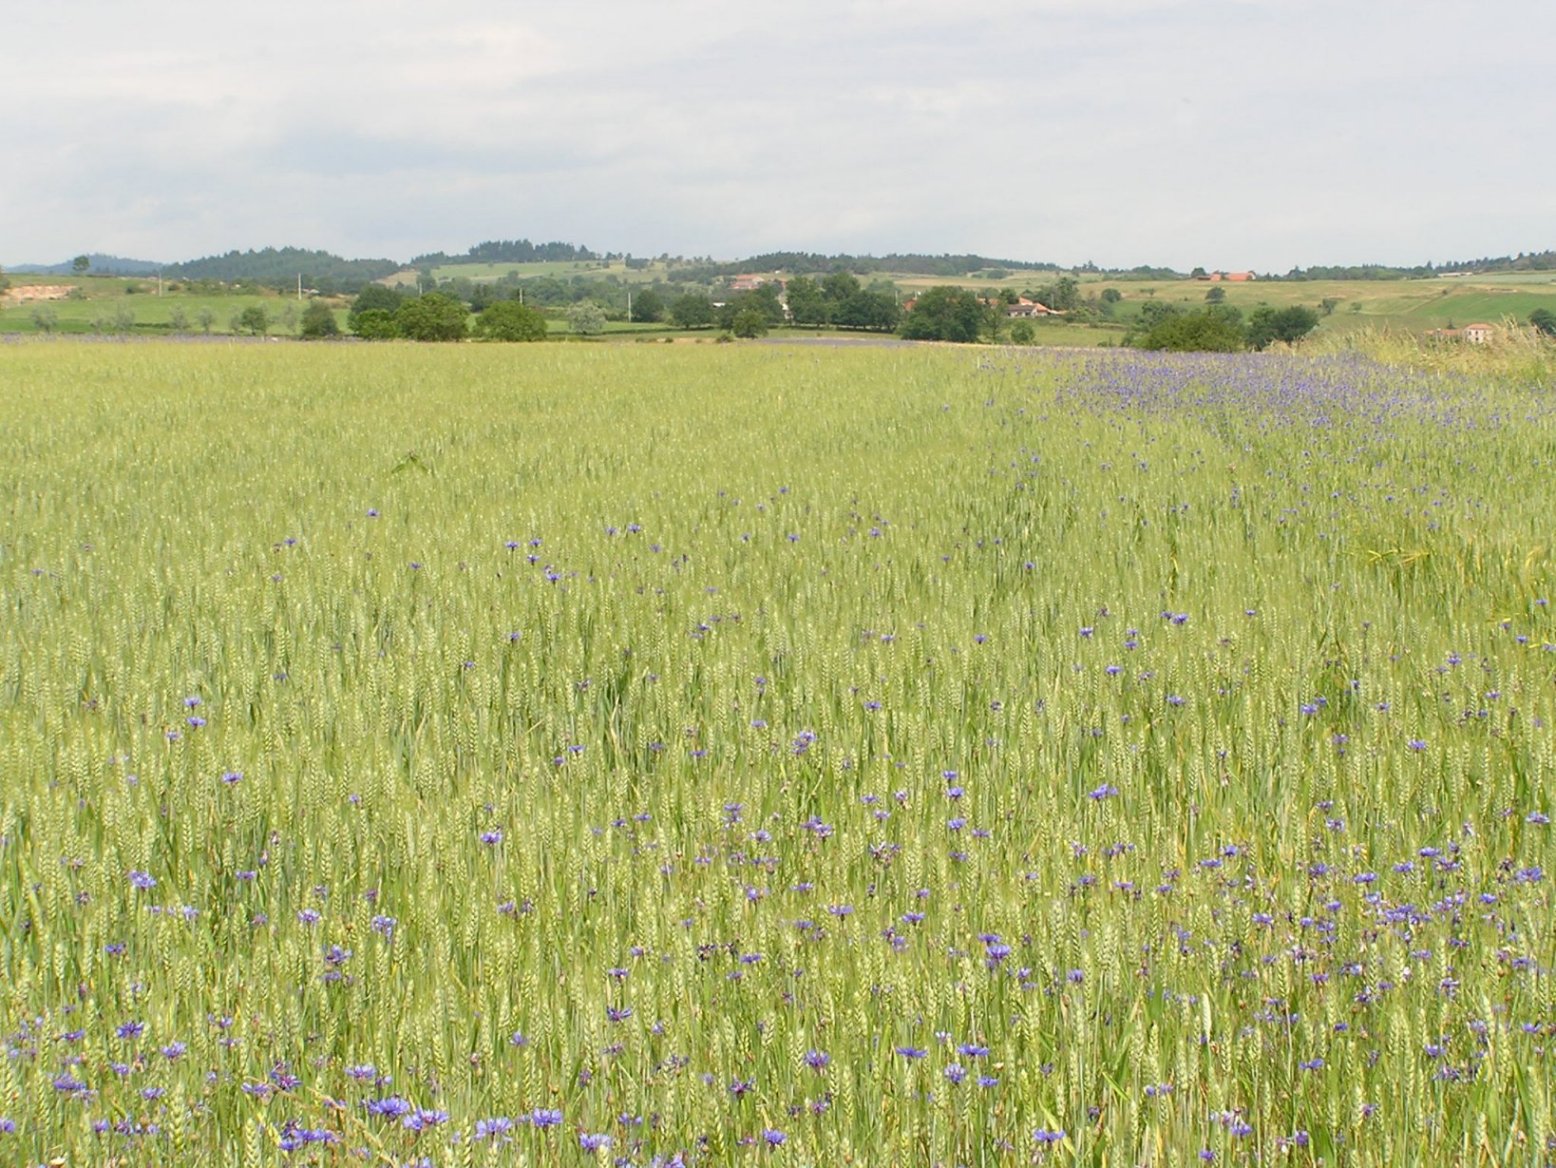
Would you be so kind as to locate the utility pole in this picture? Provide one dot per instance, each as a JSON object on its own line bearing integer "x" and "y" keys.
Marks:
{"x": 299, "y": 285}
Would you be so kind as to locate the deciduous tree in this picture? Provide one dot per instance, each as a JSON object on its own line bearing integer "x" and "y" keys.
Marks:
{"x": 1267, "y": 325}
{"x": 508, "y": 320}
{"x": 376, "y": 324}
{"x": 648, "y": 306}
{"x": 435, "y": 316}
{"x": 693, "y": 310}
{"x": 374, "y": 296}
{"x": 944, "y": 313}
{"x": 253, "y": 320}
{"x": 749, "y": 322}
{"x": 318, "y": 322}
{"x": 1211, "y": 330}
{"x": 808, "y": 304}
{"x": 586, "y": 318}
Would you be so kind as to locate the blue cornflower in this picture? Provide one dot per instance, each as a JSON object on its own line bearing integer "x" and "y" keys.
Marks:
{"x": 490, "y": 1129}
{"x": 392, "y": 1108}
{"x": 141, "y": 880}
{"x": 423, "y": 1119}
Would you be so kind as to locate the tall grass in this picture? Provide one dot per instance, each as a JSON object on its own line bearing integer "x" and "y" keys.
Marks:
{"x": 462, "y": 755}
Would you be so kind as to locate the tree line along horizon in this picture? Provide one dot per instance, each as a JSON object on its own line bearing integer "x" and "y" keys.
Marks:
{"x": 837, "y": 301}
{"x": 515, "y": 309}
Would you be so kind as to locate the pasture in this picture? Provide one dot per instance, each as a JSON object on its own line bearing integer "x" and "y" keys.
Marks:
{"x": 1407, "y": 306}
{"x": 106, "y": 305}
{"x": 704, "y": 755}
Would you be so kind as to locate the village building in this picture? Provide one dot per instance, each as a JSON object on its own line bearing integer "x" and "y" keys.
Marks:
{"x": 1025, "y": 309}
{"x": 1471, "y": 334}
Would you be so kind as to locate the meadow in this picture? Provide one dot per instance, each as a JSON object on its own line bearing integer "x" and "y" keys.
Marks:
{"x": 704, "y": 755}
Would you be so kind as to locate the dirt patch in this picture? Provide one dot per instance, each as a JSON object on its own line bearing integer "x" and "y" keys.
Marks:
{"x": 22, "y": 293}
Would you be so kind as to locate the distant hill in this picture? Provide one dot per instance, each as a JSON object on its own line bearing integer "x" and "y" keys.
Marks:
{"x": 509, "y": 251}
{"x": 1537, "y": 261}
{"x": 330, "y": 273}
{"x": 910, "y": 263}
{"x": 102, "y": 265}
{"x": 280, "y": 267}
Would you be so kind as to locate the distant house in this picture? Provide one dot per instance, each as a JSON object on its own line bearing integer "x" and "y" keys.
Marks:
{"x": 746, "y": 283}
{"x": 1470, "y": 334}
{"x": 1230, "y": 277}
{"x": 1025, "y": 309}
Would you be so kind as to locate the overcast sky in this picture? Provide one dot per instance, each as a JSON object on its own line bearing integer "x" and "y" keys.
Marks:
{"x": 1222, "y": 133}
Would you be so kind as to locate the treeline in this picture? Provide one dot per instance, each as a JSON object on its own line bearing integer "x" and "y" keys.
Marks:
{"x": 510, "y": 251}
{"x": 1539, "y": 261}
{"x": 280, "y": 267}
{"x": 801, "y": 263}
{"x": 1218, "y": 328}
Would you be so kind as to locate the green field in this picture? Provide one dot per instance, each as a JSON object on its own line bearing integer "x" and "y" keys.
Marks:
{"x": 742, "y": 754}
{"x": 1406, "y": 305}
{"x": 590, "y": 269}
{"x": 110, "y": 305}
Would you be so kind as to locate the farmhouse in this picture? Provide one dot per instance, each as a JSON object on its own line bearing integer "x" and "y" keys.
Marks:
{"x": 1025, "y": 309}
{"x": 1470, "y": 334}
